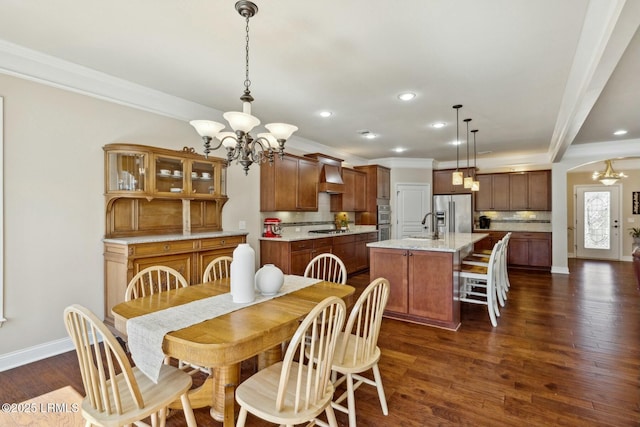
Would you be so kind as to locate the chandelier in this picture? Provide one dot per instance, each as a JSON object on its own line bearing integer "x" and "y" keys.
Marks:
{"x": 468, "y": 180}
{"x": 475, "y": 185}
{"x": 609, "y": 176}
{"x": 240, "y": 144}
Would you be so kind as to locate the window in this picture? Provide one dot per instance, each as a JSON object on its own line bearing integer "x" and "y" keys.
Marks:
{"x": 597, "y": 214}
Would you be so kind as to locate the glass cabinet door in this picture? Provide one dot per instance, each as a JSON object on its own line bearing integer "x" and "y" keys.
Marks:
{"x": 126, "y": 171}
{"x": 169, "y": 173}
{"x": 203, "y": 178}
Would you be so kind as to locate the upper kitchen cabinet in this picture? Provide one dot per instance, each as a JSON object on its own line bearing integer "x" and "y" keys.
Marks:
{"x": 289, "y": 184}
{"x": 378, "y": 192}
{"x": 442, "y": 182}
{"x": 530, "y": 191}
{"x": 493, "y": 193}
{"x": 151, "y": 190}
{"x": 354, "y": 198}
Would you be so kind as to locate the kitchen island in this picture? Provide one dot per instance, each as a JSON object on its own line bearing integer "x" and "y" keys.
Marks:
{"x": 423, "y": 276}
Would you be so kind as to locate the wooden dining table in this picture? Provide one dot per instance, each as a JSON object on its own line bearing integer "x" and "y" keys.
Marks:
{"x": 223, "y": 342}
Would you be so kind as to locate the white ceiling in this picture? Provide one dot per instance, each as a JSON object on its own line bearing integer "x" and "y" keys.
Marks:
{"x": 535, "y": 76}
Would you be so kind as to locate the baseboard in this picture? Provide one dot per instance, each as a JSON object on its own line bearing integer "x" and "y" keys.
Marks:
{"x": 559, "y": 270}
{"x": 35, "y": 353}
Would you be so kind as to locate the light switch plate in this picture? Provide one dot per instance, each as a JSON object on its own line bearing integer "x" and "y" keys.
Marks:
{"x": 242, "y": 225}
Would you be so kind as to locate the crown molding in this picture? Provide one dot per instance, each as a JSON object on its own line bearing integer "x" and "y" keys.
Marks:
{"x": 31, "y": 65}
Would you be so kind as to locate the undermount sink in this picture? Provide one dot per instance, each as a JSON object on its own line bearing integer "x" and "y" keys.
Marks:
{"x": 425, "y": 237}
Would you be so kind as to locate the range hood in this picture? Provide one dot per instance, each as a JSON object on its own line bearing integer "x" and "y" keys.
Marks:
{"x": 331, "y": 180}
{"x": 330, "y": 173}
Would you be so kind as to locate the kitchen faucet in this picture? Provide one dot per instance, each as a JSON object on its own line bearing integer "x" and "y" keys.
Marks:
{"x": 433, "y": 227}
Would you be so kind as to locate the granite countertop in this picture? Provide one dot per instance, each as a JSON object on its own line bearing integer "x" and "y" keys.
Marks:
{"x": 452, "y": 242}
{"x": 172, "y": 237}
{"x": 306, "y": 235}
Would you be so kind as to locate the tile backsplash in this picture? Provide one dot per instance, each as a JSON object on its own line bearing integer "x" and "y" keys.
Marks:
{"x": 301, "y": 222}
{"x": 517, "y": 221}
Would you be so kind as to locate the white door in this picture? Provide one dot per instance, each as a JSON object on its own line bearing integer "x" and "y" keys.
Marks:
{"x": 597, "y": 221}
{"x": 413, "y": 202}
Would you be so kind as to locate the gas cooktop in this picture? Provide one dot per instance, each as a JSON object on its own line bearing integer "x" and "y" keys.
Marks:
{"x": 329, "y": 231}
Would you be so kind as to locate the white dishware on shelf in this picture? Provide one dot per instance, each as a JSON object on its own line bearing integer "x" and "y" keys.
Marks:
{"x": 243, "y": 269}
{"x": 176, "y": 190}
{"x": 206, "y": 175}
{"x": 177, "y": 173}
{"x": 165, "y": 172}
{"x": 269, "y": 279}
{"x": 194, "y": 174}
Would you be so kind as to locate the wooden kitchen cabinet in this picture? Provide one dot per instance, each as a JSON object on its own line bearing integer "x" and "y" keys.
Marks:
{"x": 362, "y": 251}
{"x": 442, "y": 182}
{"x": 422, "y": 288}
{"x": 529, "y": 250}
{"x": 378, "y": 192}
{"x": 123, "y": 258}
{"x": 354, "y": 197}
{"x": 494, "y": 192}
{"x": 151, "y": 190}
{"x": 344, "y": 247}
{"x": 289, "y": 184}
{"x": 293, "y": 257}
{"x": 530, "y": 191}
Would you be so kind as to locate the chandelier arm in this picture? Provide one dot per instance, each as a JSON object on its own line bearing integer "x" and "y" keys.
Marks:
{"x": 207, "y": 146}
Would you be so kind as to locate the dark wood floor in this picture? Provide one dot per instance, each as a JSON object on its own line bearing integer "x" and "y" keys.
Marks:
{"x": 566, "y": 352}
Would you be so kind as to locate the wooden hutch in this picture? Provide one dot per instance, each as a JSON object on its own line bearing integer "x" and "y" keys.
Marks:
{"x": 163, "y": 207}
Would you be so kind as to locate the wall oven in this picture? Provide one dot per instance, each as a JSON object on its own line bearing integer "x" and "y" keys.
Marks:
{"x": 384, "y": 214}
{"x": 384, "y": 232}
{"x": 384, "y": 222}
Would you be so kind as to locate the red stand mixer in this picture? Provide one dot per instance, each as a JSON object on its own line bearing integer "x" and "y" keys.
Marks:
{"x": 271, "y": 227}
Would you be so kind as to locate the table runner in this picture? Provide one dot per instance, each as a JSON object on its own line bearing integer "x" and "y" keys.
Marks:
{"x": 145, "y": 333}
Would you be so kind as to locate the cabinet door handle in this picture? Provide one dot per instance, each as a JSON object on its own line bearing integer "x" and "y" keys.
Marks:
{"x": 222, "y": 242}
{"x": 167, "y": 247}
{"x": 410, "y": 253}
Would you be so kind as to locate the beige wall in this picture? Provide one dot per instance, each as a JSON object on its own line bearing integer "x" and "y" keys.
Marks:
{"x": 54, "y": 205}
{"x": 628, "y": 186}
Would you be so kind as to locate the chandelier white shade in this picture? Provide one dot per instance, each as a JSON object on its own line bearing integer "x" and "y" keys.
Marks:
{"x": 240, "y": 144}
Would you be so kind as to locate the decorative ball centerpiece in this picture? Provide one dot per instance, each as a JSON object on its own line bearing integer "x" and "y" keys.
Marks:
{"x": 269, "y": 279}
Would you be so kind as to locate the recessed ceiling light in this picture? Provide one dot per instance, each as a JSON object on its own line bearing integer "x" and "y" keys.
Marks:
{"x": 620, "y": 132}
{"x": 438, "y": 125}
{"x": 326, "y": 113}
{"x": 367, "y": 134}
{"x": 407, "y": 96}
{"x": 399, "y": 149}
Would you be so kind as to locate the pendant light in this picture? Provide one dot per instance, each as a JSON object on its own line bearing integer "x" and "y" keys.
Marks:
{"x": 457, "y": 175}
{"x": 609, "y": 176}
{"x": 468, "y": 180}
{"x": 240, "y": 144}
{"x": 475, "y": 186}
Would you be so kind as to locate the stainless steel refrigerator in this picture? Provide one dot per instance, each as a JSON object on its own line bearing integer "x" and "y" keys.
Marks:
{"x": 453, "y": 213}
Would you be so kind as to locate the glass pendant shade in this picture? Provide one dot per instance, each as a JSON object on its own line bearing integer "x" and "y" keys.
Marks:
{"x": 475, "y": 186}
{"x": 230, "y": 140}
{"x": 468, "y": 182}
{"x": 241, "y": 121}
{"x": 207, "y": 127}
{"x": 273, "y": 142}
{"x": 457, "y": 178}
{"x": 608, "y": 181}
{"x": 281, "y": 130}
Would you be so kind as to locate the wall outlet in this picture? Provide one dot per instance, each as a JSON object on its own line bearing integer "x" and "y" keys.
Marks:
{"x": 297, "y": 229}
{"x": 532, "y": 216}
{"x": 631, "y": 220}
{"x": 242, "y": 225}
